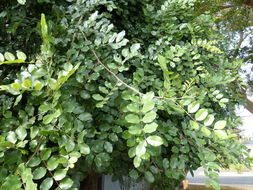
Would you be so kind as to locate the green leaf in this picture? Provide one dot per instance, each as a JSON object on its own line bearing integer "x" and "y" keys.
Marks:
{"x": 60, "y": 174}
{"x": 120, "y": 36}
{"x": 147, "y": 97}
{"x": 21, "y": 132}
{"x": 133, "y": 108}
{"x": 1, "y": 57}
{"x": 9, "y": 56}
{"x": 150, "y": 128}
{"x": 148, "y": 106}
{"x": 135, "y": 47}
{"x": 135, "y": 130}
{"x": 221, "y": 134}
{"x": 38, "y": 85}
{"x": 209, "y": 120}
{"x": 224, "y": 100}
{"x": 193, "y": 107}
{"x": 45, "y": 153}
{"x": 108, "y": 147}
{"x": 70, "y": 145}
{"x": 46, "y": 184}
{"x": 44, "y": 108}
{"x": 97, "y": 97}
{"x": 201, "y": 114}
{"x": 131, "y": 152}
{"x": 166, "y": 163}
{"x": 162, "y": 61}
{"x": 206, "y": 131}
{"x": 16, "y": 86}
{"x": 34, "y": 132}
{"x": 18, "y": 99}
{"x": 137, "y": 162}
{"x": 22, "y": 2}
{"x": 84, "y": 148}
{"x": 149, "y": 177}
{"x": 35, "y": 161}
{"x": 20, "y": 54}
{"x": 141, "y": 149}
{"x": 173, "y": 162}
{"x": 43, "y": 24}
{"x": 185, "y": 101}
{"x": 12, "y": 182}
{"x": 134, "y": 174}
{"x": 39, "y": 173}
{"x": 52, "y": 164}
{"x": 219, "y": 96}
{"x": 27, "y": 83}
{"x": 220, "y": 124}
{"x": 149, "y": 117}
{"x": 66, "y": 183}
{"x": 132, "y": 118}
{"x": 85, "y": 116}
{"x": 216, "y": 92}
{"x": 155, "y": 140}
{"x": 11, "y": 137}
{"x": 48, "y": 118}
{"x": 194, "y": 125}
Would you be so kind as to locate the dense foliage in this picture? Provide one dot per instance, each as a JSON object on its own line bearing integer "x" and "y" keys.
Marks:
{"x": 120, "y": 87}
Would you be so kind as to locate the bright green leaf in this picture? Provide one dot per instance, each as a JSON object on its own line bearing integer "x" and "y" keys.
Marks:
{"x": 149, "y": 117}
{"x": 52, "y": 163}
{"x": 84, "y": 148}
{"x": 209, "y": 120}
{"x": 60, "y": 174}
{"x": 21, "y": 132}
{"x": 206, "y": 131}
{"x": 150, "y": 128}
{"x": 9, "y": 56}
{"x": 137, "y": 162}
{"x": 194, "y": 125}
{"x": 155, "y": 140}
{"x": 20, "y": 54}
{"x": 193, "y": 107}
{"x": 140, "y": 149}
{"x": 45, "y": 153}
{"x": 22, "y": 2}
{"x": 221, "y": 134}
{"x": 132, "y": 118}
{"x": 1, "y": 57}
{"x": 201, "y": 114}
{"x": 11, "y": 137}
{"x": 220, "y": 124}
{"x": 27, "y": 83}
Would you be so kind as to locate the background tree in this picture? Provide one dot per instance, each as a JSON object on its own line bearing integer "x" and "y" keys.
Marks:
{"x": 126, "y": 88}
{"x": 235, "y": 19}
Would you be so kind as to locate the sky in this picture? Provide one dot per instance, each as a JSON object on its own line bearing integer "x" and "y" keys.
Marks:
{"x": 246, "y": 116}
{"x": 247, "y": 119}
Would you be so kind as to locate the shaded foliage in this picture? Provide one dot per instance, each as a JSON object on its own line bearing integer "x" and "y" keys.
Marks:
{"x": 126, "y": 88}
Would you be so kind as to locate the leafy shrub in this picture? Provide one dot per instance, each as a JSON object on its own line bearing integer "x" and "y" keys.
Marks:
{"x": 127, "y": 88}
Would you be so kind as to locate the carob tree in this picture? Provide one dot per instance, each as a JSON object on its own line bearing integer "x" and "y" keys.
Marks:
{"x": 118, "y": 87}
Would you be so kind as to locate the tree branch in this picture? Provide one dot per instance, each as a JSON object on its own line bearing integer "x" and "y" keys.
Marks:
{"x": 249, "y": 103}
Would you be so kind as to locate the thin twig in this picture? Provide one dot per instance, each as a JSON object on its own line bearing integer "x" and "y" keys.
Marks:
{"x": 35, "y": 152}
{"x": 121, "y": 81}
{"x": 113, "y": 74}
{"x": 51, "y": 174}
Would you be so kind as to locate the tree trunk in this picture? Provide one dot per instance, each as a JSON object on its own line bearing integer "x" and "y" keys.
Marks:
{"x": 248, "y": 104}
{"x": 91, "y": 182}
